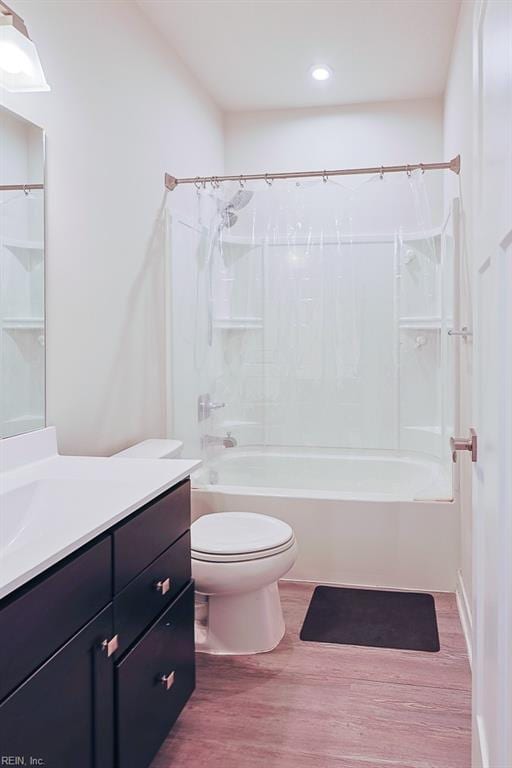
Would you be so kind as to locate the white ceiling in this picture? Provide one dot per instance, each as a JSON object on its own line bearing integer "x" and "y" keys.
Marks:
{"x": 256, "y": 54}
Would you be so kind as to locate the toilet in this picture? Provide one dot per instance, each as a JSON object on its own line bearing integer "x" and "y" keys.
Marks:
{"x": 237, "y": 561}
{"x": 156, "y": 448}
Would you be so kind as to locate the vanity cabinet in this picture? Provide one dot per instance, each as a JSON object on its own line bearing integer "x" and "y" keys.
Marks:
{"x": 153, "y": 590}
{"x": 97, "y": 655}
{"x": 41, "y": 617}
{"x": 154, "y": 681}
{"x": 63, "y": 714}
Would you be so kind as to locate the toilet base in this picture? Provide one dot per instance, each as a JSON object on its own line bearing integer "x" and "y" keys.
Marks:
{"x": 240, "y": 624}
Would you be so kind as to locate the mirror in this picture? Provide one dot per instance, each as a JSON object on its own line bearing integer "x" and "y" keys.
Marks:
{"x": 22, "y": 315}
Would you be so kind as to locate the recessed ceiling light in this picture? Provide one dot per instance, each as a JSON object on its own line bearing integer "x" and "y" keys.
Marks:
{"x": 321, "y": 73}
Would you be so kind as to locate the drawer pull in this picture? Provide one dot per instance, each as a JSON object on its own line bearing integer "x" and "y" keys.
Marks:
{"x": 110, "y": 646}
{"x": 167, "y": 681}
{"x": 163, "y": 586}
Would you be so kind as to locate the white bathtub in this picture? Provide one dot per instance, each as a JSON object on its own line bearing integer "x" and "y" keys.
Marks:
{"x": 369, "y": 518}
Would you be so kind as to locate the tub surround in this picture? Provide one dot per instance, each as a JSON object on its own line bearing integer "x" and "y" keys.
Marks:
{"x": 101, "y": 602}
{"x": 51, "y": 505}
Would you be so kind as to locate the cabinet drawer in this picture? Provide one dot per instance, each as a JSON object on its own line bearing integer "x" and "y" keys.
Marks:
{"x": 38, "y": 619}
{"x": 150, "y": 592}
{"x": 62, "y": 716}
{"x": 147, "y": 707}
{"x": 151, "y": 531}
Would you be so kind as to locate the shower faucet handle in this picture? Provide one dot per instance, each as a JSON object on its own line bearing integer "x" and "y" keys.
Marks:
{"x": 205, "y": 406}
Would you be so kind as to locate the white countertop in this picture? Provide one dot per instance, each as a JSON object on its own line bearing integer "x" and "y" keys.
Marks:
{"x": 51, "y": 505}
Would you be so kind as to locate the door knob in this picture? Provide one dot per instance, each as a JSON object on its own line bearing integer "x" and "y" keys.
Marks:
{"x": 465, "y": 444}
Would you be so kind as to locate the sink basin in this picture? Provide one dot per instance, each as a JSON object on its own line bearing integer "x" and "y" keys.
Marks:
{"x": 26, "y": 511}
{"x": 16, "y": 512}
{"x": 51, "y": 505}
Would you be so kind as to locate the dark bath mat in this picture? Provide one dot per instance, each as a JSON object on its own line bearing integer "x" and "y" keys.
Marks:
{"x": 372, "y": 617}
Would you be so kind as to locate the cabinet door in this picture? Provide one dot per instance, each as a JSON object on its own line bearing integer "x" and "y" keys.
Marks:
{"x": 154, "y": 681}
{"x": 62, "y": 716}
{"x": 37, "y": 622}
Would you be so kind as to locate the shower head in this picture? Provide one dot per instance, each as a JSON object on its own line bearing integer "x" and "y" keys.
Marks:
{"x": 229, "y": 219}
{"x": 242, "y": 198}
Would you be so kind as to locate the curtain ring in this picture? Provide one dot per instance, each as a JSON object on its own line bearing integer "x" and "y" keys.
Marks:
{"x": 325, "y": 177}
{"x": 381, "y": 174}
{"x": 197, "y": 183}
{"x": 422, "y": 168}
{"x": 269, "y": 181}
{"x": 26, "y": 191}
{"x": 241, "y": 182}
{"x": 408, "y": 171}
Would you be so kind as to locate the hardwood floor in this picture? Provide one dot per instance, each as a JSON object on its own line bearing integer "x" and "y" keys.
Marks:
{"x": 313, "y": 705}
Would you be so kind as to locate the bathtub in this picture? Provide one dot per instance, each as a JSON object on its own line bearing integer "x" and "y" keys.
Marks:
{"x": 369, "y": 518}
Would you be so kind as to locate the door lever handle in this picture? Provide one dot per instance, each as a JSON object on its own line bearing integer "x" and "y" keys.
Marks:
{"x": 465, "y": 444}
{"x": 464, "y": 332}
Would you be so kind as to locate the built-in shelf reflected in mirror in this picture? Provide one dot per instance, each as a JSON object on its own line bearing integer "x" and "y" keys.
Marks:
{"x": 22, "y": 309}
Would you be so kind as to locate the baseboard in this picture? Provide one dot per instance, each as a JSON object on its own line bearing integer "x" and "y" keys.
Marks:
{"x": 480, "y": 751}
{"x": 364, "y": 585}
{"x": 465, "y": 615}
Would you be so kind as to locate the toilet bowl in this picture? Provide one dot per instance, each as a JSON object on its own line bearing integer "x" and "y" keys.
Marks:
{"x": 237, "y": 560}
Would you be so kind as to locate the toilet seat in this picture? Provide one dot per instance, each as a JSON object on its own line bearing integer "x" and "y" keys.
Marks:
{"x": 238, "y": 537}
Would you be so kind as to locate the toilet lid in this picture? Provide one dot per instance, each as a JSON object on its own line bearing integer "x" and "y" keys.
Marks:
{"x": 230, "y": 533}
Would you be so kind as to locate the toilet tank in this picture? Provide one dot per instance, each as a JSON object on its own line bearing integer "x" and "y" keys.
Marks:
{"x": 156, "y": 448}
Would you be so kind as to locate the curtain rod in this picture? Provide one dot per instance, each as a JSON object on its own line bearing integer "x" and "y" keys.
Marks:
{"x": 171, "y": 182}
{"x": 24, "y": 187}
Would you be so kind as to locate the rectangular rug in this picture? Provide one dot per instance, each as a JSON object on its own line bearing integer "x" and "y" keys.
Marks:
{"x": 372, "y": 617}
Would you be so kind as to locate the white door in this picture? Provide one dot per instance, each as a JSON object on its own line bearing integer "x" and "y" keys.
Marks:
{"x": 492, "y": 474}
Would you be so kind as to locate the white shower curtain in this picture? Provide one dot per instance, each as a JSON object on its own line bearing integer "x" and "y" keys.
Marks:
{"x": 319, "y": 314}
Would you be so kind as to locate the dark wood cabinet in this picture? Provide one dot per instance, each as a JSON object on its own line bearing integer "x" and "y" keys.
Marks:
{"x": 152, "y": 591}
{"x": 38, "y": 619}
{"x": 63, "y": 714}
{"x": 153, "y": 683}
{"x": 97, "y": 654}
{"x": 149, "y": 532}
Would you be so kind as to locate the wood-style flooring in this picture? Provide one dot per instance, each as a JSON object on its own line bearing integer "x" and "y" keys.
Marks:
{"x": 313, "y": 705}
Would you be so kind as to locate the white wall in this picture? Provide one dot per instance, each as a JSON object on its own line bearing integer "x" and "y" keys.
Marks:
{"x": 458, "y": 138}
{"x": 122, "y": 110}
{"x": 384, "y": 133}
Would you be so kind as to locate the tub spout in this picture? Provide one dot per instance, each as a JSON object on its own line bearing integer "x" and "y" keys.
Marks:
{"x": 227, "y": 442}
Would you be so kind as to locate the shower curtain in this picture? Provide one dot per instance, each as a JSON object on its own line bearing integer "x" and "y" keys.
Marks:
{"x": 320, "y": 314}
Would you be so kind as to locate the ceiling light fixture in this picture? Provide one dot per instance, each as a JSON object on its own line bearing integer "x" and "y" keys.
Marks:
{"x": 20, "y": 67}
{"x": 321, "y": 73}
